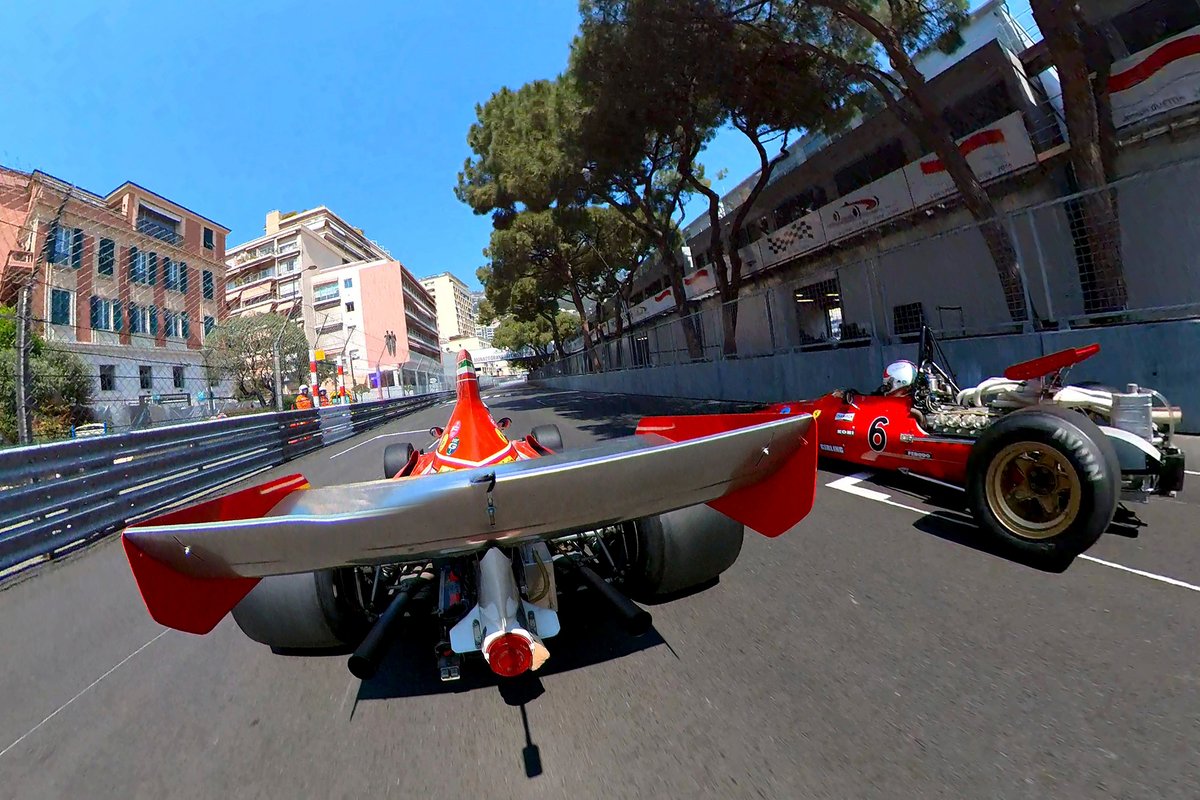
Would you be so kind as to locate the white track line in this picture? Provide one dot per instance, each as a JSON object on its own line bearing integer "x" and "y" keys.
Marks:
{"x": 1191, "y": 472}
{"x": 849, "y": 484}
{"x": 373, "y": 438}
{"x": 82, "y": 692}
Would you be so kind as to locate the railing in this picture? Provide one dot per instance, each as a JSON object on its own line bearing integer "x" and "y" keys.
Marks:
{"x": 158, "y": 231}
{"x": 1063, "y": 258}
{"x": 57, "y": 497}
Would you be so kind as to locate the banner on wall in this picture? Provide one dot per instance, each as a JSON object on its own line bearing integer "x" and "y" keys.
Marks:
{"x": 1160, "y": 78}
{"x": 699, "y": 283}
{"x": 996, "y": 150}
{"x": 798, "y": 237}
{"x": 872, "y": 205}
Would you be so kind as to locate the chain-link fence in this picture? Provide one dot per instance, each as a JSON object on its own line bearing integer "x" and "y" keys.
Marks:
{"x": 1123, "y": 254}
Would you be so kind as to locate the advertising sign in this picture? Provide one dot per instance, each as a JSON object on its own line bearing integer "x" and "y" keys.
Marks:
{"x": 867, "y": 207}
{"x": 996, "y": 150}
{"x": 1160, "y": 78}
{"x": 796, "y": 238}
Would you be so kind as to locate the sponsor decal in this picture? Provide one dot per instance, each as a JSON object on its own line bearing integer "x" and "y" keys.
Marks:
{"x": 918, "y": 454}
{"x": 906, "y": 438}
{"x": 453, "y": 446}
{"x": 833, "y": 448}
{"x": 844, "y": 416}
{"x": 663, "y": 295}
{"x": 845, "y": 432}
{"x": 703, "y": 273}
{"x": 966, "y": 147}
{"x": 466, "y": 367}
{"x": 450, "y": 434}
{"x": 785, "y": 410}
{"x": 1156, "y": 79}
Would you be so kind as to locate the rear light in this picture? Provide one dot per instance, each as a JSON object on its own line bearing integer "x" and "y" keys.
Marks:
{"x": 510, "y": 655}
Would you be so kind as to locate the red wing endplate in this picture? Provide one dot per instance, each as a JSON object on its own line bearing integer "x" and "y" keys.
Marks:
{"x": 193, "y": 604}
{"x": 771, "y": 506}
{"x": 1049, "y": 364}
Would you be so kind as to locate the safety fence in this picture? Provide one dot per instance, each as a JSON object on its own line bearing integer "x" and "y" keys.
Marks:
{"x": 1127, "y": 253}
{"x": 57, "y": 497}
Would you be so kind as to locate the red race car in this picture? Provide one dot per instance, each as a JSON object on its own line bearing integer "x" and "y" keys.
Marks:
{"x": 478, "y": 532}
{"x": 1044, "y": 464}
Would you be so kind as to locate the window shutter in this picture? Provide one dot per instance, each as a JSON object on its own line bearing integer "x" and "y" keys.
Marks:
{"x": 133, "y": 318}
{"x": 153, "y": 321}
{"x": 183, "y": 277}
{"x": 116, "y": 305}
{"x": 133, "y": 257}
{"x": 95, "y": 317}
{"x": 77, "y": 248}
{"x": 183, "y": 321}
{"x": 153, "y": 277}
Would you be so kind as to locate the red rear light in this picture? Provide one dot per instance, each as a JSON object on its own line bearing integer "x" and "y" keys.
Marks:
{"x": 510, "y": 655}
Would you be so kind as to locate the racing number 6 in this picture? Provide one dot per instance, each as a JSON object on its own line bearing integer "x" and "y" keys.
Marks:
{"x": 876, "y": 435}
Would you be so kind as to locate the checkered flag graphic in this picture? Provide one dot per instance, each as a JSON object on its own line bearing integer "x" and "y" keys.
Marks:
{"x": 789, "y": 237}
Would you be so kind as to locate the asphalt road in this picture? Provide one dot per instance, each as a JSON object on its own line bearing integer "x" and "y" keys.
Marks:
{"x": 878, "y": 650}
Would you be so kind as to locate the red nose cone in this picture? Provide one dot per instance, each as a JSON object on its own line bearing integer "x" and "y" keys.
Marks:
{"x": 510, "y": 655}
{"x": 463, "y": 354}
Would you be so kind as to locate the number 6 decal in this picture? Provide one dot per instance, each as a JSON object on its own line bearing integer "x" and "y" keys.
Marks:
{"x": 876, "y": 435}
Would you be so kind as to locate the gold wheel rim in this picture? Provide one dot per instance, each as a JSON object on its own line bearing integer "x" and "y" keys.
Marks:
{"x": 1032, "y": 490}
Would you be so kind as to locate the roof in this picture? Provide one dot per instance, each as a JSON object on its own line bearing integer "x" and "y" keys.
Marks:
{"x": 141, "y": 188}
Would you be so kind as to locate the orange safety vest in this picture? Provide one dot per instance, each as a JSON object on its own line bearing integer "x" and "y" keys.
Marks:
{"x": 303, "y": 401}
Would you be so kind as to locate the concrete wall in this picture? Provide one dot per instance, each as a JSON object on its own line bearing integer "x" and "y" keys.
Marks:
{"x": 1158, "y": 355}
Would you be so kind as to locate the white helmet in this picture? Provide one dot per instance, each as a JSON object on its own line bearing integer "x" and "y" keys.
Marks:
{"x": 899, "y": 376}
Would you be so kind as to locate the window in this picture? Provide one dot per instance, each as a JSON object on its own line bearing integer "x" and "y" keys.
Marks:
{"x": 170, "y": 274}
{"x": 169, "y": 323}
{"x": 907, "y": 319}
{"x": 175, "y": 324}
{"x": 209, "y": 324}
{"x": 288, "y": 264}
{"x": 60, "y": 248}
{"x": 145, "y": 377}
{"x": 819, "y": 311}
{"x": 160, "y": 226}
{"x": 208, "y": 239}
{"x": 348, "y": 283}
{"x": 326, "y": 292}
{"x": 108, "y": 378}
{"x": 289, "y": 288}
{"x": 978, "y": 110}
{"x": 61, "y": 304}
{"x": 350, "y": 306}
{"x": 139, "y": 319}
{"x": 143, "y": 266}
{"x": 206, "y": 284}
{"x": 177, "y": 377}
{"x": 105, "y": 314}
{"x": 1150, "y": 23}
{"x": 883, "y": 161}
{"x": 798, "y": 205}
{"x": 108, "y": 257}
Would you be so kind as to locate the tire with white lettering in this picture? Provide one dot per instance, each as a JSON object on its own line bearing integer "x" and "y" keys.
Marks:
{"x": 1045, "y": 481}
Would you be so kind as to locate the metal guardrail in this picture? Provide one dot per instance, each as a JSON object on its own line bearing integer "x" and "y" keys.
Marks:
{"x": 56, "y": 497}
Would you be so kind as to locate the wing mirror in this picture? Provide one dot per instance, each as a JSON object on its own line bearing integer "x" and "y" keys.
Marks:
{"x": 504, "y": 423}
{"x": 849, "y": 396}
{"x": 435, "y": 431}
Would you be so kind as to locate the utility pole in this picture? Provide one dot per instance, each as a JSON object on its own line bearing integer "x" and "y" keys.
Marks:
{"x": 24, "y": 412}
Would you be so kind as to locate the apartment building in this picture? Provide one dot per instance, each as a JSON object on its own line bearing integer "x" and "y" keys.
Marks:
{"x": 129, "y": 281}
{"x": 455, "y": 308}
{"x": 346, "y": 290}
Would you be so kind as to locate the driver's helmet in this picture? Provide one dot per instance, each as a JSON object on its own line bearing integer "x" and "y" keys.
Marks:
{"x": 898, "y": 376}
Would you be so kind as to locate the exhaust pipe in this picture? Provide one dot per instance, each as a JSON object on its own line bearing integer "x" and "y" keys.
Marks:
{"x": 364, "y": 663}
{"x": 634, "y": 619}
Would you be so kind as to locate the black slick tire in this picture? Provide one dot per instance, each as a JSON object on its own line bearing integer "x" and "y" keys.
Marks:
{"x": 303, "y": 611}
{"x": 682, "y": 549}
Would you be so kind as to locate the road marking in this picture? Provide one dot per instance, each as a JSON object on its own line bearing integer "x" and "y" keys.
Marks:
{"x": 1191, "y": 472}
{"x": 82, "y": 692}
{"x": 849, "y": 484}
{"x": 373, "y": 438}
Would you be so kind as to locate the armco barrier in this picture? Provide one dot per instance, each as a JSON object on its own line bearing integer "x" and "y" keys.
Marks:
{"x": 55, "y": 497}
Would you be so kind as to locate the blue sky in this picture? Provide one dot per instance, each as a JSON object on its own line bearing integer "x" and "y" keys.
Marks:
{"x": 248, "y": 107}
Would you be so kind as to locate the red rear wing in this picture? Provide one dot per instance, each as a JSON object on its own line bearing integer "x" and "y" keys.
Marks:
{"x": 1048, "y": 365}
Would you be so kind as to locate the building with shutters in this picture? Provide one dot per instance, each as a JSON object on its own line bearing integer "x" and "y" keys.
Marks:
{"x": 130, "y": 281}
{"x": 348, "y": 293}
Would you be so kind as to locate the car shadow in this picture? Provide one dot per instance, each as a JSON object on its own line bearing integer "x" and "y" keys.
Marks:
{"x": 590, "y": 635}
{"x": 949, "y": 517}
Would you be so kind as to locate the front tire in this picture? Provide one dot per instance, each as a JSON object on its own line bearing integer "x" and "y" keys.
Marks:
{"x": 396, "y": 458}
{"x": 1045, "y": 482}
{"x": 303, "y": 611}
{"x": 683, "y": 549}
{"x": 548, "y": 436}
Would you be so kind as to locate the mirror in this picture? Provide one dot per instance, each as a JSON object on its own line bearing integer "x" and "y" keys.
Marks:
{"x": 504, "y": 423}
{"x": 849, "y": 396}
{"x": 435, "y": 431}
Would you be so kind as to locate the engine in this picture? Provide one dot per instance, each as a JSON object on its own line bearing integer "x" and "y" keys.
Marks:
{"x": 958, "y": 421}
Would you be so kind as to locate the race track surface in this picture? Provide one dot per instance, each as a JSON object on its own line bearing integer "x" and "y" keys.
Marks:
{"x": 878, "y": 650}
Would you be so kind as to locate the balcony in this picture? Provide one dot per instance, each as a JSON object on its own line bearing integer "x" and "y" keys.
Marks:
{"x": 158, "y": 231}
{"x": 263, "y": 251}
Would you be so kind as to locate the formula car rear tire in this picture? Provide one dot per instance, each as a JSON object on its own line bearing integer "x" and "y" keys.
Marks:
{"x": 1045, "y": 482}
{"x": 548, "y": 436}
{"x": 395, "y": 458}
{"x": 304, "y": 611}
{"x": 682, "y": 549}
